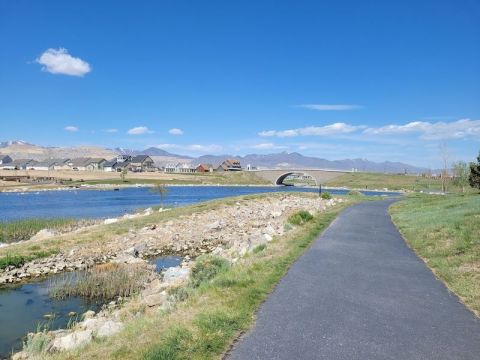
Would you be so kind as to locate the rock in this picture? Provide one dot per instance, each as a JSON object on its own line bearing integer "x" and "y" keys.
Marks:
{"x": 73, "y": 340}
{"x": 109, "y": 328}
{"x": 89, "y": 314}
{"x": 110, "y": 221}
{"x": 22, "y": 355}
{"x": 42, "y": 235}
{"x": 175, "y": 275}
{"x": 155, "y": 299}
{"x": 72, "y": 313}
{"x": 268, "y": 237}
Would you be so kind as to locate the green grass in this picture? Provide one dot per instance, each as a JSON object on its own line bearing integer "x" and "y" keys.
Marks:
{"x": 380, "y": 181}
{"x": 18, "y": 260}
{"x": 216, "y": 310}
{"x": 445, "y": 232}
{"x": 299, "y": 218}
{"x": 18, "y": 230}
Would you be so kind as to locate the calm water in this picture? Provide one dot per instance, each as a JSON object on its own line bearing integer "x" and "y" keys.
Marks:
{"x": 108, "y": 203}
{"x": 22, "y": 308}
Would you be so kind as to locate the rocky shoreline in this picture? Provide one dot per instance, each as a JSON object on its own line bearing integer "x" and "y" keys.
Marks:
{"x": 228, "y": 231}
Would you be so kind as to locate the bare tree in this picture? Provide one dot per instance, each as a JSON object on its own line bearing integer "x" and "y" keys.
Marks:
{"x": 461, "y": 172}
{"x": 444, "y": 156}
{"x": 161, "y": 190}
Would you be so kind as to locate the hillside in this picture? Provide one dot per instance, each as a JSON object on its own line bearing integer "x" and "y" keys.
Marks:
{"x": 21, "y": 149}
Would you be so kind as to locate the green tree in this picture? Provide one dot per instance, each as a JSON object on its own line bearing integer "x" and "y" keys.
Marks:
{"x": 461, "y": 172}
{"x": 474, "y": 178}
{"x": 161, "y": 190}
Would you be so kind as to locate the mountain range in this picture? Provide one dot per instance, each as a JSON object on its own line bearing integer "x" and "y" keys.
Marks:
{"x": 20, "y": 149}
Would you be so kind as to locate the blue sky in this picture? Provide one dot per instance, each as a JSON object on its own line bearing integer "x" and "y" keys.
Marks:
{"x": 383, "y": 80}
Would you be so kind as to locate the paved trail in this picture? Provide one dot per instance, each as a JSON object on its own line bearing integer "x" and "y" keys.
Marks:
{"x": 360, "y": 293}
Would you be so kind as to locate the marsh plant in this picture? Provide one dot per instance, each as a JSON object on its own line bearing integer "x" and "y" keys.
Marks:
{"x": 24, "y": 229}
{"x": 103, "y": 282}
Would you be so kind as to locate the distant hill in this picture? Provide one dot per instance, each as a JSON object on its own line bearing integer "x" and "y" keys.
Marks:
{"x": 23, "y": 150}
{"x": 296, "y": 160}
{"x": 20, "y": 149}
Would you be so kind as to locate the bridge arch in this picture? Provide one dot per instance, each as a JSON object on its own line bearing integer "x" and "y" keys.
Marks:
{"x": 282, "y": 177}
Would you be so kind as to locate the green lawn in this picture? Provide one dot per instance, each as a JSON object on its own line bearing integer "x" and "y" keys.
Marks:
{"x": 361, "y": 180}
{"x": 445, "y": 232}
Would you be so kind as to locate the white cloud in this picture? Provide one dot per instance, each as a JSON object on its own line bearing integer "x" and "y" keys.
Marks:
{"x": 111, "y": 130}
{"x": 327, "y": 107}
{"x": 175, "y": 131}
{"x": 459, "y": 129}
{"x": 59, "y": 61}
{"x": 139, "y": 130}
{"x": 71, "y": 128}
{"x": 335, "y": 128}
{"x": 197, "y": 148}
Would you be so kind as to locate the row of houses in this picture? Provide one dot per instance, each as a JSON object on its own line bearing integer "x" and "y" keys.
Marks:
{"x": 138, "y": 163}
{"x": 132, "y": 163}
{"x": 185, "y": 168}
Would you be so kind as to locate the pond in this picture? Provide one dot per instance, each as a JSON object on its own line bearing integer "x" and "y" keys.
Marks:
{"x": 23, "y": 307}
{"x": 88, "y": 204}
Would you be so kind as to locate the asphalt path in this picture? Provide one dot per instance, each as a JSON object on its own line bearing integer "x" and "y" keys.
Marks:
{"x": 360, "y": 292}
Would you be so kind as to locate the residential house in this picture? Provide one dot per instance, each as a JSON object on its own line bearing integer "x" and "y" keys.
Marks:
{"x": 142, "y": 163}
{"x": 170, "y": 168}
{"x": 61, "y": 164}
{"x": 87, "y": 164}
{"x": 5, "y": 159}
{"x": 123, "y": 158}
{"x": 186, "y": 168}
{"x": 18, "y": 164}
{"x": 110, "y": 165}
{"x": 230, "y": 165}
{"x": 46, "y": 165}
{"x": 203, "y": 168}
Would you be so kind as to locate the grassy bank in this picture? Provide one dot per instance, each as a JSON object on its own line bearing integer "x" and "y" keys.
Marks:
{"x": 18, "y": 230}
{"x": 391, "y": 181}
{"x": 102, "y": 235}
{"x": 445, "y": 232}
{"x": 218, "y": 304}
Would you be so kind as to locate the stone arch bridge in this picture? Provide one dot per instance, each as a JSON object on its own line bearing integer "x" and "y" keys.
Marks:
{"x": 277, "y": 176}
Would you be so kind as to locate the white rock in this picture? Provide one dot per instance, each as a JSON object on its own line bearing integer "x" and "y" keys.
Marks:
{"x": 42, "y": 235}
{"x": 73, "y": 340}
{"x": 268, "y": 237}
{"x": 175, "y": 275}
{"x": 110, "y": 221}
{"x": 109, "y": 328}
{"x": 88, "y": 314}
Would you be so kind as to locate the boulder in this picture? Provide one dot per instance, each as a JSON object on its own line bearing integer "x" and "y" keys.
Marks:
{"x": 109, "y": 328}
{"x": 72, "y": 340}
{"x": 42, "y": 235}
{"x": 175, "y": 276}
{"x": 155, "y": 299}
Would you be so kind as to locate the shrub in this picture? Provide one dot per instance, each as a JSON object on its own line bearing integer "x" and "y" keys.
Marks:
{"x": 15, "y": 260}
{"x": 299, "y": 218}
{"x": 326, "y": 196}
{"x": 206, "y": 268}
{"x": 37, "y": 343}
{"x": 259, "y": 248}
{"x": 105, "y": 282}
{"x": 354, "y": 193}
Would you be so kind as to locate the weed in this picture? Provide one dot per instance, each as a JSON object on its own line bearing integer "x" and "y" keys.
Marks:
{"x": 299, "y": 218}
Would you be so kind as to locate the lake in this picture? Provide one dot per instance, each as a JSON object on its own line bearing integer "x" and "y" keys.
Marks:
{"x": 89, "y": 204}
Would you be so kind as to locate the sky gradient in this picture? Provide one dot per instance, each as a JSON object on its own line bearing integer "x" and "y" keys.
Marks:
{"x": 382, "y": 80}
